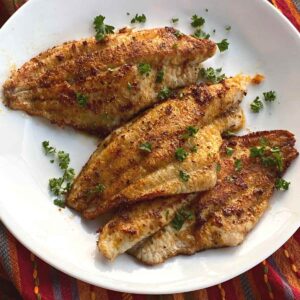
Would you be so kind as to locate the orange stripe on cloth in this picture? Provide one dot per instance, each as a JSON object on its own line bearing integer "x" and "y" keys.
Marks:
{"x": 14, "y": 261}
{"x": 84, "y": 290}
{"x": 200, "y": 294}
{"x": 293, "y": 10}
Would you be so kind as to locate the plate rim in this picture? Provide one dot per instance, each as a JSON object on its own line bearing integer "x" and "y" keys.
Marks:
{"x": 190, "y": 285}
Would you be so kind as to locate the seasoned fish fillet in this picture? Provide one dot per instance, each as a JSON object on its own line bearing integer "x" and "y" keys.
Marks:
{"x": 96, "y": 86}
{"x": 224, "y": 215}
{"x": 143, "y": 219}
{"x": 128, "y": 173}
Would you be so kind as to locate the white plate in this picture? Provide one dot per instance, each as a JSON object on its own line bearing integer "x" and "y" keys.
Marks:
{"x": 261, "y": 40}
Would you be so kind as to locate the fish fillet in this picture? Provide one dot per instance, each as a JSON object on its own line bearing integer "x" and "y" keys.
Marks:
{"x": 132, "y": 225}
{"x": 130, "y": 174}
{"x": 224, "y": 215}
{"x": 107, "y": 75}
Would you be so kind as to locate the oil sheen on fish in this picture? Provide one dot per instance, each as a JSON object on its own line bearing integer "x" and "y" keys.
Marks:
{"x": 139, "y": 221}
{"x": 96, "y": 86}
{"x": 128, "y": 172}
{"x": 224, "y": 215}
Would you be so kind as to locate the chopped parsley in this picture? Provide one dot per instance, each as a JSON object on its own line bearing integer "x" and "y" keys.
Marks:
{"x": 160, "y": 76}
{"x": 180, "y": 217}
{"x": 61, "y": 185}
{"x": 223, "y": 45}
{"x": 229, "y": 151}
{"x": 144, "y": 69}
{"x": 269, "y": 156}
{"x": 174, "y": 20}
{"x": 228, "y": 133}
{"x": 214, "y": 31}
{"x": 164, "y": 93}
{"x": 177, "y": 33}
{"x": 194, "y": 149}
{"x": 181, "y": 154}
{"x": 184, "y": 176}
{"x": 190, "y": 132}
{"x": 228, "y": 27}
{"x": 138, "y": 19}
{"x": 47, "y": 148}
{"x": 256, "y": 105}
{"x": 281, "y": 184}
{"x": 147, "y": 147}
{"x": 270, "y": 96}
{"x": 218, "y": 167}
{"x": 102, "y": 30}
{"x": 81, "y": 99}
{"x": 238, "y": 165}
{"x": 197, "y": 21}
{"x": 99, "y": 188}
{"x": 212, "y": 75}
{"x": 200, "y": 34}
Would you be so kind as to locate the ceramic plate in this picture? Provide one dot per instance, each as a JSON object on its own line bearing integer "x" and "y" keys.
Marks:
{"x": 261, "y": 40}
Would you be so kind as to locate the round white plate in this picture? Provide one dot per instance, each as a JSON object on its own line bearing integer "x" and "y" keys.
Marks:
{"x": 261, "y": 40}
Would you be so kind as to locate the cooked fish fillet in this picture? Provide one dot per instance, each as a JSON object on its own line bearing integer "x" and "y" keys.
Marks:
{"x": 107, "y": 73}
{"x": 130, "y": 174}
{"x": 225, "y": 214}
{"x": 143, "y": 219}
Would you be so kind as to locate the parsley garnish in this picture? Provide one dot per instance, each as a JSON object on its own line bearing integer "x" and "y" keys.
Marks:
{"x": 160, "y": 76}
{"x": 147, "y": 147}
{"x": 194, "y": 149}
{"x": 214, "y": 31}
{"x": 228, "y": 28}
{"x": 48, "y": 149}
{"x": 218, "y": 167}
{"x": 238, "y": 165}
{"x": 229, "y": 151}
{"x": 144, "y": 69}
{"x": 82, "y": 100}
{"x": 177, "y": 33}
{"x": 181, "y": 154}
{"x": 99, "y": 188}
{"x": 197, "y": 21}
{"x": 223, "y": 45}
{"x": 184, "y": 176}
{"x": 212, "y": 75}
{"x": 281, "y": 184}
{"x": 180, "y": 217}
{"x": 174, "y": 20}
{"x": 190, "y": 132}
{"x": 102, "y": 30}
{"x": 256, "y": 105}
{"x": 60, "y": 203}
{"x": 270, "y": 96}
{"x": 200, "y": 34}
{"x": 139, "y": 19}
{"x": 164, "y": 93}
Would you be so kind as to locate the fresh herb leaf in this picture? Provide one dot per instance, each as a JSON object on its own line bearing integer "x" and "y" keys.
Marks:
{"x": 229, "y": 151}
{"x": 218, "y": 167}
{"x": 238, "y": 165}
{"x": 194, "y": 149}
{"x": 184, "y": 176}
{"x": 47, "y": 148}
{"x": 212, "y": 75}
{"x": 281, "y": 184}
{"x": 55, "y": 185}
{"x": 82, "y": 100}
{"x": 223, "y": 45}
{"x": 200, "y": 34}
{"x": 139, "y": 19}
{"x": 164, "y": 93}
{"x": 257, "y": 151}
{"x": 270, "y": 96}
{"x": 177, "y": 33}
{"x": 144, "y": 69}
{"x": 228, "y": 133}
{"x": 256, "y": 105}
{"x": 160, "y": 76}
{"x": 181, "y": 154}
{"x": 59, "y": 202}
{"x": 147, "y": 147}
{"x": 228, "y": 27}
{"x": 190, "y": 132}
{"x": 197, "y": 21}
{"x": 69, "y": 174}
{"x": 102, "y": 30}
{"x": 52, "y": 161}
{"x": 63, "y": 159}
{"x": 99, "y": 188}
{"x": 180, "y": 217}
{"x": 174, "y": 20}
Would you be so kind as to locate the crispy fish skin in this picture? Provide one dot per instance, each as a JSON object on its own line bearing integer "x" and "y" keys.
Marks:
{"x": 139, "y": 221}
{"x": 130, "y": 174}
{"x": 107, "y": 73}
{"x": 225, "y": 214}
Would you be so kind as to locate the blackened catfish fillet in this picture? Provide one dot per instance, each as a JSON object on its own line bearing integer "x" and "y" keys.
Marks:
{"x": 130, "y": 174}
{"x": 97, "y": 86}
{"x": 224, "y": 215}
{"x": 141, "y": 220}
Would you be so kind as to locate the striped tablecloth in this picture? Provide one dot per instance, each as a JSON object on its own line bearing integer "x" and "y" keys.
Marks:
{"x": 24, "y": 276}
